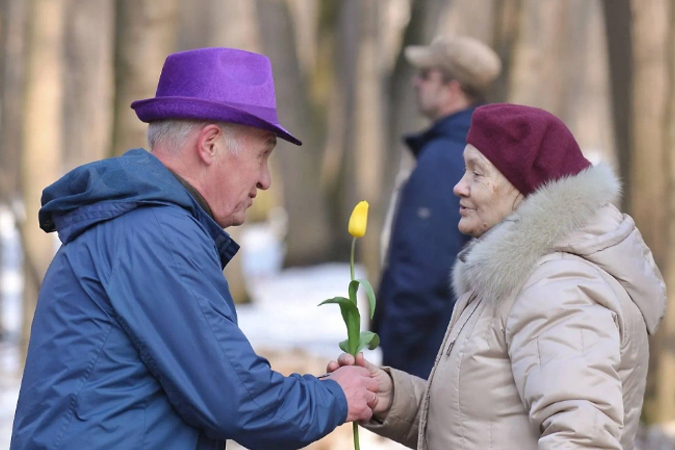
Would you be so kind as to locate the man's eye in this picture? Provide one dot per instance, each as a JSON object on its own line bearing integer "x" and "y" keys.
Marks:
{"x": 476, "y": 174}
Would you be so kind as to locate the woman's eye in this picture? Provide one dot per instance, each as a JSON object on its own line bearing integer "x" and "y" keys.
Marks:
{"x": 476, "y": 174}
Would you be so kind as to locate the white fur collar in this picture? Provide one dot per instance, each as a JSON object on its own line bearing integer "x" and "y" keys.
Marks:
{"x": 499, "y": 262}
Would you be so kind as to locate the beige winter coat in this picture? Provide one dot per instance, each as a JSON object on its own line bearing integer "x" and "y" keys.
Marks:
{"x": 547, "y": 347}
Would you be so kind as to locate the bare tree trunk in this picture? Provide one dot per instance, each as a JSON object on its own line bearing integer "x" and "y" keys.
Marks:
{"x": 12, "y": 70}
{"x": 308, "y": 238}
{"x": 89, "y": 81}
{"x": 666, "y": 372}
{"x": 369, "y": 148}
{"x": 12, "y": 65}
{"x": 403, "y": 116}
{"x": 617, "y": 14}
{"x": 538, "y": 56}
{"x": 192, "y": 31}
{"x": 587, "y": 92}
{"x": 342, "y": 190}
{"x": 218, "y": 23}
{"x": 652, "y": 174}
{"x": 474, "y": 18}
{"x": 555, "y": 67}
{"x": 145, "y": 35}
{"x": 504, "y": 38}
{"x": 42, "y": 138}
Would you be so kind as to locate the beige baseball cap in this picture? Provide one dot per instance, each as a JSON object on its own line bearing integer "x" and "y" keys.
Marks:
{"x": 464, "y": 59}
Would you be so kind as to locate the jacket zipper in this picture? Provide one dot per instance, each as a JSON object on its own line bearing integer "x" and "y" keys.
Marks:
{"x": 452, "y": 344}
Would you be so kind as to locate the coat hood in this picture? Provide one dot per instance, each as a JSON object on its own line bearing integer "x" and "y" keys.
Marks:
{"x": 109, "y": 188}
{"x": 573, "y": 215}
{"x": 453, "y": 127}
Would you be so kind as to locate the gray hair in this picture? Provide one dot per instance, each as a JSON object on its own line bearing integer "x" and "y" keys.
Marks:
{"x": 174, "y": 132}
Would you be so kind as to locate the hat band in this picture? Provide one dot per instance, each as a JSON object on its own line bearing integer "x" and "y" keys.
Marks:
{"x": 266, "y": 113}
{"x": 262, "y": 112}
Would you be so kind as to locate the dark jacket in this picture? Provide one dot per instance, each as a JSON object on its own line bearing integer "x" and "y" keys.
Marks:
{"x": 135, "y": 343}
{"x": 415, "y": 301}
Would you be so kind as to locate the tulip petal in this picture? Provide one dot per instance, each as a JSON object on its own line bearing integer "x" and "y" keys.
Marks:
{"x": 358, "y": 221}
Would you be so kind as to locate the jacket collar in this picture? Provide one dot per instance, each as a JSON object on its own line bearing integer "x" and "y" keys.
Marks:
{"x": 226, "y": 246}
{"x": 458, "y": 122}
{"x": 497, "y": 263}
{"x": 194, "y": 193}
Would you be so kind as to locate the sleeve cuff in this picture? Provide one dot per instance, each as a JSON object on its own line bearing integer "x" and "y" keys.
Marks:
{"x": 401, "y": 423}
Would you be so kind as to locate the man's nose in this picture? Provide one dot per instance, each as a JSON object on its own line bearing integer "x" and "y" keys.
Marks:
{"x": 265, "y": 180}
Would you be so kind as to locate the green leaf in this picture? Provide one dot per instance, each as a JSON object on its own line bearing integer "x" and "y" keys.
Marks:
{"x": 371, "y": 295}
{"x": 354, "y": 286}
{"x": 368, "y": 338}
{"x": 374, "y": 342}
{"x": 344, "y": 345}
{"x": 352, "y": 319}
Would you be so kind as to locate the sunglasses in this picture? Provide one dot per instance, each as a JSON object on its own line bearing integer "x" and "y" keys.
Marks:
{"x": 424, "y": 74}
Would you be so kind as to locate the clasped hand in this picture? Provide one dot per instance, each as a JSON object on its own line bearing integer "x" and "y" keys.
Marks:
{"x": 368, "y": 388}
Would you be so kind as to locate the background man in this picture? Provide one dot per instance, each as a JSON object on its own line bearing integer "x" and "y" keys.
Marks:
{"x": 135, "y": 342}
{"x": 415, "y": 299}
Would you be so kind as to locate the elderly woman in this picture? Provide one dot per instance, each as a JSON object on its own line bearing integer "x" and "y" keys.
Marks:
{"x": 547, "y": 347}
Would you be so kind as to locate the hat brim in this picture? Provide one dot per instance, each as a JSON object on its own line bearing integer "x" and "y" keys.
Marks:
{"x": 420, "y": 56}
{"x": 162, "y": 108}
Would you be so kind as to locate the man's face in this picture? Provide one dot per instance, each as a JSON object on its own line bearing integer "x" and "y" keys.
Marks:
{"x": 486, "y": 197}
{"x": 236, "y": 176}
{"x": 431, "y": 92}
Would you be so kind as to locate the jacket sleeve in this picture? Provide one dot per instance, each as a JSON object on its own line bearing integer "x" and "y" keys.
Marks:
{"x": 564, "y": 345}
{"x": 170, "y": 296}
{"x": 401, "y": 423}
{"x": 424, "y": 246}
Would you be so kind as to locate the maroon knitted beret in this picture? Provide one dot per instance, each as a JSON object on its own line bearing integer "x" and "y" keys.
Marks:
{"x": 528, "y": 145}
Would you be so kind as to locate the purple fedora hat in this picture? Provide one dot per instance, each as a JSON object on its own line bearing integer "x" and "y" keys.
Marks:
{"x": 220, "y": 84}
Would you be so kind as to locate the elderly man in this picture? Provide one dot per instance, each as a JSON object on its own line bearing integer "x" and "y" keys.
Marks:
{"x": 415, "y": 300}
{"x": 135, "y": 341}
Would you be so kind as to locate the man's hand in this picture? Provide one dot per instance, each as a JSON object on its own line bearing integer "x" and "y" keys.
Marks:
{"x": 385, "y": 388}
{"x": 360, "y": 390}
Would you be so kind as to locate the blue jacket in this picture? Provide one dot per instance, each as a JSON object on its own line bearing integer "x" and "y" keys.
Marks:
{"x": 135, "y": 343}
{"x": 415, "y": 301}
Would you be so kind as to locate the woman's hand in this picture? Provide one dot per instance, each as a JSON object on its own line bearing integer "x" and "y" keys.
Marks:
{"x": 385, "y": 391}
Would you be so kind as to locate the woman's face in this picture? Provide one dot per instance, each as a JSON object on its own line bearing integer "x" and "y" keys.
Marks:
{"x": 486, "y": 196}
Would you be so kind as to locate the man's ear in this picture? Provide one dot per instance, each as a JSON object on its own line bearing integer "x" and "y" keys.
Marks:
{"x": 208, "y": 140}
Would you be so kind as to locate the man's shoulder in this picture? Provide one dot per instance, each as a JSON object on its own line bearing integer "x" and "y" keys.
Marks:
{"x": 442, "y": 151}
{"x": 161, "y": 220}
{"x": 446, "y": 142}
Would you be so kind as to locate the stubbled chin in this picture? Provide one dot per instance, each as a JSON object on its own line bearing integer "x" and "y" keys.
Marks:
{"x": 238, "y": 221}
{"x": 231, "y": 221}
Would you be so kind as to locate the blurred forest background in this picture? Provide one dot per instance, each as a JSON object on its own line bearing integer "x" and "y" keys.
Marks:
{"x": 70, "y": 68}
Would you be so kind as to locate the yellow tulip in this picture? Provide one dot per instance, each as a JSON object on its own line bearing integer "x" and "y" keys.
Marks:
{"x": 359, "y": 220}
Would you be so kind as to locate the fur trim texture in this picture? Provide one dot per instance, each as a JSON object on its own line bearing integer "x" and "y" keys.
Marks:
{"x": 498, "y": 262}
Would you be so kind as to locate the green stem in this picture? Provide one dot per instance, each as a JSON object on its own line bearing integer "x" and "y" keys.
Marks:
{"x": 351, "y": 269}
{"x": 351, "y": 265}
{"x": 356, "y": 436}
